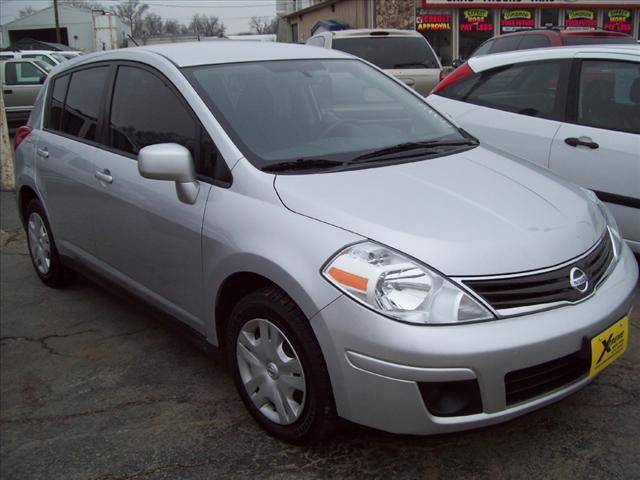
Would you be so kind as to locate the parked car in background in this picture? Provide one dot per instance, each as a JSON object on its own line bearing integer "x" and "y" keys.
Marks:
{"x": 69, "y": 54}
{"x": 354, "y": 252}
{"x": 575, "y": 110}
{"x": 53, "y": 58}
{"x": 21, "y": 82}
{"x": 405, "y": 54}
{"x": 543, "y": 38}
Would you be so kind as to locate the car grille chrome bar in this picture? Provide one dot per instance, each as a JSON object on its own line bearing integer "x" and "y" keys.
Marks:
{"x": 512, "y": 295}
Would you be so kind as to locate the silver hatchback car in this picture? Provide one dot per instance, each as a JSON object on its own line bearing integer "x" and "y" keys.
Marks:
{"x": 354, "y": 252}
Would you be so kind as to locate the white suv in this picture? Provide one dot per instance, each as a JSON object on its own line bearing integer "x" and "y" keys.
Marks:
{"x": 405, "y": 54}
{"x": 47, "y": 56}
{"x": 575, "y": 110}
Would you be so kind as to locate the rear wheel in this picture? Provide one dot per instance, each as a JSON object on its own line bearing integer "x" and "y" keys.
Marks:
{"x": 278, "y": 367}
{"x": 42, "y": 248}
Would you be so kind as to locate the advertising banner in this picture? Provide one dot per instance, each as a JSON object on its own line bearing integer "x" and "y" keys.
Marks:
{"x": 432, "y": 20}
{"x": 580, "y": 19}
{"x": 618, "y": 20}
{"x": 514, "y": 20}
{"x": 476, "y": 20}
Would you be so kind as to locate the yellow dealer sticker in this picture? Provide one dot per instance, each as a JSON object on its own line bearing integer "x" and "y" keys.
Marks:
{"x": 608, "y": 345}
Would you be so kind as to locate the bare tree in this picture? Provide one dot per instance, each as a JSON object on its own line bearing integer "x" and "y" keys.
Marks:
{"x": 25, "y": 12}
{"x": 152, "y": 24}
{"x": 84, "y": 4}
{"x": 173, "y": 27}
{"x": 263, "y": 25}
{"x": 131, "y": 12}
{"x": 207, "y": 26}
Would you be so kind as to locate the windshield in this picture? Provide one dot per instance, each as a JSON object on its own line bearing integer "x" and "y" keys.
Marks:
{"x": 43, "y": 65}
{"x": 389, "y": 52}
{"x": 595, "y": 40}
{"x": 60, "y": 58}
{"x": 331, "y": 109}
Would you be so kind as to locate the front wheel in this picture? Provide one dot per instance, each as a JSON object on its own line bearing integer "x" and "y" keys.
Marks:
{"x": 278, "y": 367}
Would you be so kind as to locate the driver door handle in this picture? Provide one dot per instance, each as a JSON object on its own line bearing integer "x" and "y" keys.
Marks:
{"x": 104, "y": 175}
{"x": 583, "y": 141}
{"x": 43, "y": 152}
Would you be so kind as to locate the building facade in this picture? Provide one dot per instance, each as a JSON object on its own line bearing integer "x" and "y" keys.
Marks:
{"x": 80, "y": 29}
{"x": 455, "y": 28}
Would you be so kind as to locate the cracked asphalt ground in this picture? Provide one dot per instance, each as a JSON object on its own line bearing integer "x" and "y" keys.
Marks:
{"x": 95, "y": 386}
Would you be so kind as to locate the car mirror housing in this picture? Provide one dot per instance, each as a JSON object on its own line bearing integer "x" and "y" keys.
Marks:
{"x": 172, "y": 162}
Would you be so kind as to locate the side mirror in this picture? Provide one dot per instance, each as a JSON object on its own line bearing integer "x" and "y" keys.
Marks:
{"x": 456, "y": 63}
{"x": 173, "y": 162}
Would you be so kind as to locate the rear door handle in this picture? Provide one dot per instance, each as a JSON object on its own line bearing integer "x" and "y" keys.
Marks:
{"x": 583, "y": 141}
{"x": 104, "y": 176}
{"x": 43, "y": 152}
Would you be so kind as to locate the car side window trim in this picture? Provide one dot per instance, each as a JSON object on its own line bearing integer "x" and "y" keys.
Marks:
{"x": 573, "y": 95}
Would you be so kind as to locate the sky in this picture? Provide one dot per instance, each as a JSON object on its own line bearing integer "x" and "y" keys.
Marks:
{"x": 234, "y": 13}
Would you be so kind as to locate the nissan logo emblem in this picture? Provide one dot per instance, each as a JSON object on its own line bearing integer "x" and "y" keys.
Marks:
{"x": 578, "y": 280}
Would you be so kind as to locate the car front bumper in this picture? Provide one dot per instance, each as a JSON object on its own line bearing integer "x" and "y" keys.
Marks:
{"x": 377, "y": 364}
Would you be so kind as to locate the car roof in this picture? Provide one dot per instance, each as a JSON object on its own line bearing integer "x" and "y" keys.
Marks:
{"x": 486, "y": 62}
{"x": 230, "y": 51}
{"x": 372, "y": 32}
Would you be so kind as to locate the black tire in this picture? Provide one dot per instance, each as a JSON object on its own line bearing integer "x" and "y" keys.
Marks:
{"x": 57, "y": 275}
{"x": 318, "y": 415}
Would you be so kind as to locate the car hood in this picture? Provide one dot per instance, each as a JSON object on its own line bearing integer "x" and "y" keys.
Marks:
{"x": 478, "y": 212}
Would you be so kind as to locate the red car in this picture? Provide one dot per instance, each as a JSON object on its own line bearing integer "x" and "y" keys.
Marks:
{"x": 549, "y": 38}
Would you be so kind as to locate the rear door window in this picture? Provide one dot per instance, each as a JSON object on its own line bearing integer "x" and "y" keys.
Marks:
{"x": 506, "y": 44}
{"x": 390, "y": 52}
{"x": 157, "y": 116}
{"x": 533, "y": 41}
{"x": 534, "y": 89}
{"x": 609, "y": 95}
{"x": 83, "y": 101}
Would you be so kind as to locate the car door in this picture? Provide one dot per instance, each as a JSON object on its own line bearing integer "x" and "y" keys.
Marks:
{"x": 516, "y": 108}
{"x": 66, "y": 147}
{"x": 22, "y": 82}
{"x": 599, "y": 145}
{"x": 149, "y": 239}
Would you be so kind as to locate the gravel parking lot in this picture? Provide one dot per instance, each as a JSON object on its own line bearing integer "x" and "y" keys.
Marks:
{"x": 96, "y": 386}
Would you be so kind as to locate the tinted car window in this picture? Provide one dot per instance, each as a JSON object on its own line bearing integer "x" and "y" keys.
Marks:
{"x": 529, "y": 88}
{"x": 533, "y": 41}
{"x": 582, "y": 40}
{"x": 157, "y": 116}
{"x": 483, "y": 49}
{"x": 58, "y": 94}
{"x": 84, "y": 96}
{"x": 389, "y": 52}
{"x": 506, "y": 44}
{"x": 22, "y": 73}
{"x": 609, "y": 95}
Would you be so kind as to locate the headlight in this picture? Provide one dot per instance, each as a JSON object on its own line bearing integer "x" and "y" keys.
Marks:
{"x": 616, "y": 238}
{"x": 398, "y": 287}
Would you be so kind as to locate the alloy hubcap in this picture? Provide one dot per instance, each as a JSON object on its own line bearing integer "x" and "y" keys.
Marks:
{"x": 271, "y": 371}
{"x": 39, "y": 244}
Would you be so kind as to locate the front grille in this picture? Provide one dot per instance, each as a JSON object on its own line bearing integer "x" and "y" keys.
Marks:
{"x": 531, "y": 382}
{"x": 548, "y": 287}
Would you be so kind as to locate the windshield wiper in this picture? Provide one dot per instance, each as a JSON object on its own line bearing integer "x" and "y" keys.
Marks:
{"x": 303, "y": 164}
{"x": 408, "y": 146}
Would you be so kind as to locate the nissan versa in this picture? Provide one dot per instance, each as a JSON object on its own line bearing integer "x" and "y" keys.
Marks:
{"x": 354, "y": 252}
